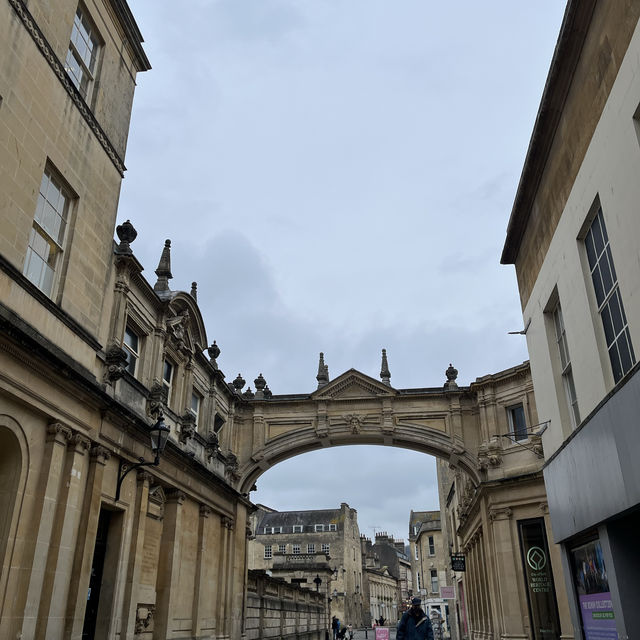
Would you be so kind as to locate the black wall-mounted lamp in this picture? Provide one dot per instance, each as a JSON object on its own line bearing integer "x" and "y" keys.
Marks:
{"x": 159, "y": 435}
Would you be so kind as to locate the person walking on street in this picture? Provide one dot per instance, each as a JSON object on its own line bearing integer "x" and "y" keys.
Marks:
{"x": 335, "y": 627}
{"x": 414, "y": 624}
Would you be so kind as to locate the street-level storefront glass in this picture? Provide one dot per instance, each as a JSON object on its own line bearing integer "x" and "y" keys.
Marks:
{"x": 592, "y": 587}
{"x": 541, "y": 596}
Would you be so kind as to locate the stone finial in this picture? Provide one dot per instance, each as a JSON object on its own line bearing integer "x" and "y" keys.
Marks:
{"x": 260, "y": 383}
{"x": 214, "y": 352}
{"x": 126, "y": 234}
{"x": 267, "y": 393}
{"x": 452, "y": 374}
{"x": 248, "y": 394}
{"x": 385, "y": 374}
{"x": 194, "y": 291}
{"x": 323, "y": 372}
{"x": 164, "y": 269}
{"x": 238, "y": 383}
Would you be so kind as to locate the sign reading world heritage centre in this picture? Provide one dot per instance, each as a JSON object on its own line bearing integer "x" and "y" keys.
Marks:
{"x": 458, "y": 562}
{"x": 540, "y": 589}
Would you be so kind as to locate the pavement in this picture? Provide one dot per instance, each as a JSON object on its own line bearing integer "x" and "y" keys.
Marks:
{"x": 370, "y": 634}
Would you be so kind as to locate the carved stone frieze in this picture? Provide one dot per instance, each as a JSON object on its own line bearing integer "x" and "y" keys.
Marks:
{"x": 231, "y": 466}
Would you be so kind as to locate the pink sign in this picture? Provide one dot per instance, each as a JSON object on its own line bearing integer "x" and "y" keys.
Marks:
{"x": 448, "y": 593}
{"x": 382, "y": 633}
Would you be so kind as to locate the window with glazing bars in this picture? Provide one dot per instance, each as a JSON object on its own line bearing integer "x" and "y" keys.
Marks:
{"x": 607, "y": 291}
{"x": 565, "y": 363}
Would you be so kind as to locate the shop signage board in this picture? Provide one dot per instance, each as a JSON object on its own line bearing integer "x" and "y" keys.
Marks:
{"x": 448, "y": 593}
{"x": 458, "y": 562}
{"x": 539, "y": 580}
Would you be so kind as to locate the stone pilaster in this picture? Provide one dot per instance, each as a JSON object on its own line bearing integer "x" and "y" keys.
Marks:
{"x": 168, "y": 565}
{"x": 200, "y": 592}
{"x": 51, "y": 611}
{"x": 138, "y": 517}
{"x": 83, "y": 558}
{"x": 38, "y": 540}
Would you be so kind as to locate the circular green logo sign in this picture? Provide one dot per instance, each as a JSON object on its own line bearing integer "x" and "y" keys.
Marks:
{"x": 536, "y": 558}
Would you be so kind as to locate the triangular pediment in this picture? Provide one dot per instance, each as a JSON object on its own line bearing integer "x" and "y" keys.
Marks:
{"x": 353, "y": 384}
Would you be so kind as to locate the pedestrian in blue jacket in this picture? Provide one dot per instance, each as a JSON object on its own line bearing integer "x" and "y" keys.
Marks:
{"x": 414, "y": 624}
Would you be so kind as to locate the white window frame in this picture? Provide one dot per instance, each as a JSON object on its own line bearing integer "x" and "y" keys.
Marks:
{"x": 295, "y": 549}
{"x": 297, "y": 528}
{"x": 132, "y": 350}
{"x": 44, "y": 257}
{"x": 311, "y": 547}
{"x": 282, "y": 548}
{"x": 608, "y": 298}
{"x": 326, "y": 548}
{"x": 318, "y": 527}
{"x": 434, "y": 581}
{"x": 565, "y": 366}
{"x": 268, "y": 552}
{"x": 195, "y": 412}
{"x": 432, "y": 546}
{"x": 168, "y": 383}
{"x": 333, "y": 527}
{"x": 81, "y": 62}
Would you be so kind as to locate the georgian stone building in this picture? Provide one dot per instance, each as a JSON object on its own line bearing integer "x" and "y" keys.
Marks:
{"x": 317, "y": 549}
{"x": 92, "y": 355}
{"x": 574, "y": 238}
{"x": 429, "y": 560}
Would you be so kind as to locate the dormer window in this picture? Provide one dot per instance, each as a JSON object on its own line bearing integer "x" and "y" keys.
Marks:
{"x": 318, "y": 527}
{"x": 297, "y": 528}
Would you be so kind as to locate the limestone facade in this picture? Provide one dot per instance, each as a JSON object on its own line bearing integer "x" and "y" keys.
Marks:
{"x": 430, "y": 561}
{"x": 303, "y": 547}
{"x": 84, "y": 347}
{"x": 573, "y": 238}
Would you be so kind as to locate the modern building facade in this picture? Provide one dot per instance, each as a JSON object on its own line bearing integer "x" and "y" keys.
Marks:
{"x": 574, "y": 238}
{"x": 316, "y": 549}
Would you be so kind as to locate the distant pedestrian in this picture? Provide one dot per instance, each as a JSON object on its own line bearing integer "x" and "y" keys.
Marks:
{"x": 335, "y": 627}
{"x": 381, "y": 621}
{"x": 350, "y": 631}
{"x": 414, "y": 624}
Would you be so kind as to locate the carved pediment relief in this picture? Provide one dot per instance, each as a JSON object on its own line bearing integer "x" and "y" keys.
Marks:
{"x": 353, "y": 384}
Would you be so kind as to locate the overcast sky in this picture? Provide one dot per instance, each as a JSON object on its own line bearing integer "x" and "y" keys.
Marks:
{"x": 337, "y": 176}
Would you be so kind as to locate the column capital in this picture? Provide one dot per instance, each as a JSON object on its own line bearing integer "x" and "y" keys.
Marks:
{"x": 58, "y": 432}
{"x": 79, "y": 442}
{"x": 205, "y": 510}
{"x": 175, "y": 496}
{"x": 100, "y": 454}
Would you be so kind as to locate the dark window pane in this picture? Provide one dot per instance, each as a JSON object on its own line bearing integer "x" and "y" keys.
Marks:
{"x": 616, "y": 366}
{"x": 616, "y": 312}
{"x": 518, "y": 422}
{"x": 611, "y": 265}
{"x": 597, "y": 285}
{"x": 597, "y": 234}
{"x": 624, "y": 348}
{"x": 609, "y": 332}
{"x": 591, "y": 252}
{"x": 603, "y": 226}
{"x": 605, "y": 272}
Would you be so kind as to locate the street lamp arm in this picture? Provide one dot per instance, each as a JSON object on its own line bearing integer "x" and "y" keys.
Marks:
{"x": 122, "y": 475}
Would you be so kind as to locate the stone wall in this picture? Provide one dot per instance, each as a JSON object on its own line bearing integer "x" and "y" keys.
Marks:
{"x": 277, "y": 609}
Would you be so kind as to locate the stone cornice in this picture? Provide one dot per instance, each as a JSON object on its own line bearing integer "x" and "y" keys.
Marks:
{"x": 58, "y": 69}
